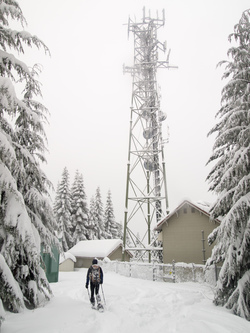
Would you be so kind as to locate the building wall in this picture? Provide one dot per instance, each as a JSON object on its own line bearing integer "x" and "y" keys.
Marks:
{"x": 117, "y": 255}
{"x": 182, "y": 236}
{"x": 66, "y": 266}
{"x": 82, "y": 262}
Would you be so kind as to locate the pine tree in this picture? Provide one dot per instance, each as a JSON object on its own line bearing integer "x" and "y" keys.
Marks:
{"x": 109, "y": 218}
{"x": 230, "y": 178}
{"x": 119, "y": 230}
{"x": 33, "y": 184}
{"x": 92, "y": 226}
{"x": 26, "y": 218}
{"x": 99, "y": 216}
{"x": 12, "y": 296}
{"x": 62, "y": 211}
{"x": 2, "y": 312}
{"x": 79, "y": 209}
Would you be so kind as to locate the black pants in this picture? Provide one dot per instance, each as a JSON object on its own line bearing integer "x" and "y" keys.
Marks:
{"x": 94, "y": 288}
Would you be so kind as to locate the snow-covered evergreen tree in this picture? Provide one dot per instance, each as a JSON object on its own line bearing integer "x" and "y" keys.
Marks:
{"x": 99, "y": 216}
{"x": 79, "y": 210}
{"x": 2, "y": 312}
{"x": 92, "y": 225}
{"x": 62, "y": 211}
{"x": 26, "y": 218}
{"x": 230, "y": 178}
{"x": 33, "y": 184}
{"x": 111, "y": 227}
{"x": 119, "y": 230}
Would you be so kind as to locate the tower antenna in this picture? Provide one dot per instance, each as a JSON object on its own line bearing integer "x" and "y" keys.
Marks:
{"x": 146, "y": 201}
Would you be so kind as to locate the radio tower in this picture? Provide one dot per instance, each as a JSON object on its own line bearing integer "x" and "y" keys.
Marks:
{"x": 146, "y": 201}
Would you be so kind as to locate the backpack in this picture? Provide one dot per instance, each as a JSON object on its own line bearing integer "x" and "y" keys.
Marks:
{"x": 95, "y": 275}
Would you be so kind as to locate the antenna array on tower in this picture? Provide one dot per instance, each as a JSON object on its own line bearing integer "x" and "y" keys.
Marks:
{"x": 146, "y": 201}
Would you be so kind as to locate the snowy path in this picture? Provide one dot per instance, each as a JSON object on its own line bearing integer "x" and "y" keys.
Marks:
{"x": 133, "y": 306}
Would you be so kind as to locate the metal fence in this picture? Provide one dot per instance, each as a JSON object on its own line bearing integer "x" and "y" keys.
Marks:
{"x": 175, "y": 272}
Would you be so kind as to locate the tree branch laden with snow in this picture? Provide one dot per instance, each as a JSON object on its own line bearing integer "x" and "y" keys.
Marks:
{"x": 230, "y": 179}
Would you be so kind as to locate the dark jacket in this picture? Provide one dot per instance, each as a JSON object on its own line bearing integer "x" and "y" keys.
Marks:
{"x": 89, "y": 274}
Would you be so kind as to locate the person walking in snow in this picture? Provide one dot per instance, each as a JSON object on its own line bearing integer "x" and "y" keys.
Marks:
{"x": 95, "y": 277}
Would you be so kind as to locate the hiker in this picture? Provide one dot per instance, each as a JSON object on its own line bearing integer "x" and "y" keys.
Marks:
{"x": 95, "y": 277}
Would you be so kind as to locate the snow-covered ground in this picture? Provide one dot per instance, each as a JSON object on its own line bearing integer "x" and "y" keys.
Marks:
{"x": 132, "y": 306}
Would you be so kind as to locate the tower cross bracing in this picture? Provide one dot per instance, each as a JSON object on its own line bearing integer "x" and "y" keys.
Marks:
{"x": 146, "y": 201}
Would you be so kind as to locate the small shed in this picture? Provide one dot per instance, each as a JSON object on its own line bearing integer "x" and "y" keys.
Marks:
{"x": 85, "y": 251}
{"x": 66, "y": 262}
{"x": 184, "y": 233}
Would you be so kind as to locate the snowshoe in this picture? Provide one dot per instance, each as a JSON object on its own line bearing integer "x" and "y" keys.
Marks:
{"x": 98, "y": 298}
{"x": 99, "y": 304}
{"x": 100, "y": 307}
{"x": 92, "y": 302}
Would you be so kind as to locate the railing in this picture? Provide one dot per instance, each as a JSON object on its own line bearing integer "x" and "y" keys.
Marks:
{"x": 175, "y": 272}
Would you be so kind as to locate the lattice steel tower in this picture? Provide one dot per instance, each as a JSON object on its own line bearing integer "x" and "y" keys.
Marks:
{"x": 146, "y": 201}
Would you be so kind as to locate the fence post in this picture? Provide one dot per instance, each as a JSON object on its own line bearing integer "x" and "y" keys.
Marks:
{"x": 203, "y": 247}
{"x": 173, "y": 269}
{"x": 193, "y": 269}
{"x": 154, "y": 270}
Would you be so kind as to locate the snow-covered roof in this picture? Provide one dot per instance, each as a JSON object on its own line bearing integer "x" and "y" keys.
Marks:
{"x": 202, "y": 206}
{"x": 65, "y": 256}
{"x": 99, "y": 248}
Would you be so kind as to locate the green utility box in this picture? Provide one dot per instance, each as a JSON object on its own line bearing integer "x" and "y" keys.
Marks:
{"x": 51, "y": 264}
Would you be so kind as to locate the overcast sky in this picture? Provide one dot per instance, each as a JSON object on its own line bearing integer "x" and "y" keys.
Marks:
{"x": 89, "y": 97}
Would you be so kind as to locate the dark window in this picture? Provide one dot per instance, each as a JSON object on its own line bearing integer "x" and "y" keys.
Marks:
{"x": 192, "y": 210}
{"x": 185, "y": 210}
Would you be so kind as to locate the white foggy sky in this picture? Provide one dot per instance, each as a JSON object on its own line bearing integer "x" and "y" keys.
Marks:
{"x": 89, "y": 98}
